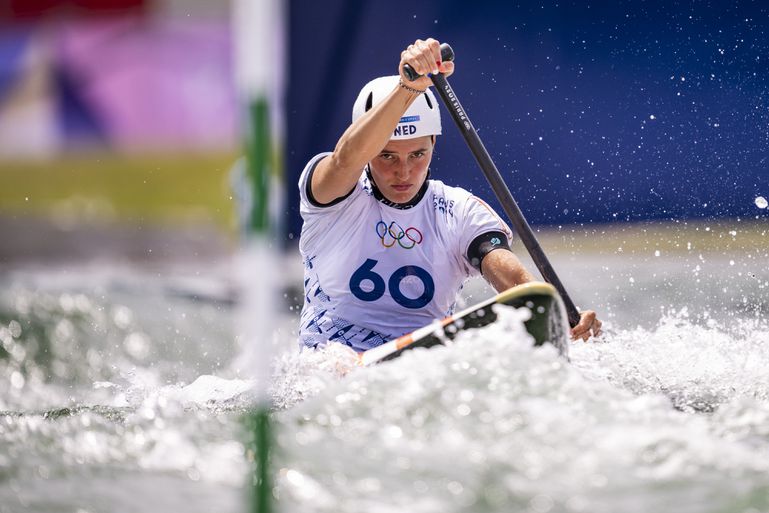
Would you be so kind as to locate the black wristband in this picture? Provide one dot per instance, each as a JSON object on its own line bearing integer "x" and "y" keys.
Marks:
{"x": 484, "y": 244}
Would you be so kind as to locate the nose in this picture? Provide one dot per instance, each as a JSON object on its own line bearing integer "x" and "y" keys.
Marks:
{"x": 403, "y": 171}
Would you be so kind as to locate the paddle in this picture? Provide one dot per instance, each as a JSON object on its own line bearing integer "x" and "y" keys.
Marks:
{"x": 495, "y": 180}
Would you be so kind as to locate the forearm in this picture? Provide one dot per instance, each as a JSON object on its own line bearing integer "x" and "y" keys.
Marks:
{"x": 365, "y": 138}
{"x": 360, "y": 143}
{"x": 502, "y": 269}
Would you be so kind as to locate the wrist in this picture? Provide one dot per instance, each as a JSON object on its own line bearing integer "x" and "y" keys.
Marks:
{"x": 412, "y": 90}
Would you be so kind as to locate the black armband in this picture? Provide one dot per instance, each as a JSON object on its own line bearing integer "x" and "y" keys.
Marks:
{"x": 484, "y": 244}
{"x": 311, "y": 198}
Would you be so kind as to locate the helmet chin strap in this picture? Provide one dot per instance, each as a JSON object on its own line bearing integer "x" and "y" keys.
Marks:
{"x": 402, "y": 206}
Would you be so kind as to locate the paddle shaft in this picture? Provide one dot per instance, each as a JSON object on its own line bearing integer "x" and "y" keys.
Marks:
{"x": 502, "y": 192}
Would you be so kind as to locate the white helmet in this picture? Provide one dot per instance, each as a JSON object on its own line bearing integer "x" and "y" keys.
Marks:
{"x": 422, "y": 117}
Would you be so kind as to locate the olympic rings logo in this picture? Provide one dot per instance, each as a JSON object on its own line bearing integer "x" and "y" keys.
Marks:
{"x": 393, "y": 233}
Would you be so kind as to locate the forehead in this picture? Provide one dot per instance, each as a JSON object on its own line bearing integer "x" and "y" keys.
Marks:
{"x": 408, "y": 145}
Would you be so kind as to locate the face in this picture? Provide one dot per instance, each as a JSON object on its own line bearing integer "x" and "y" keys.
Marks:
{"x": 400, "y": 169}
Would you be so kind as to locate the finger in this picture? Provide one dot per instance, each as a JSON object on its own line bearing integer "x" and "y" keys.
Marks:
{"x": 408, "y": 57}
{"x": 577, "y": 332}
{"x": 446, "y": 67}
{"x": 435, "y": 47}
{"x": 597, "y": 328}
{"x": 411, "y": 54}
{"x": 420, "y": 62}
{"x": 425, "y": 56}
{"x": 584, "y": 335}
{"x": 583, "y": 327}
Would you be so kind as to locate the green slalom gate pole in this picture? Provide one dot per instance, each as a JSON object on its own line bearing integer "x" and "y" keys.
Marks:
{"x": 258, "y": 29}
{"x": 261, "y": 494}
{"x": 258, "y": 170}
{"x": 258, "y": 160}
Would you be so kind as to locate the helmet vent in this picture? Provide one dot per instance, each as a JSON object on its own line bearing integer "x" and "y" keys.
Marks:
{"x": 427, "y": 99}
{"x": 369, "y": 101}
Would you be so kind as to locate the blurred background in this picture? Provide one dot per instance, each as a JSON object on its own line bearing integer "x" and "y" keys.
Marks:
{"x": 600, "y": 112}
{"x": 118, "y": 125}
{"x": 125, "y": 112}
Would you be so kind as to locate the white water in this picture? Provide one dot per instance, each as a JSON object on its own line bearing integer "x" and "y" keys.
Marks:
{"x": 494, "y": 425}
{"x": 669, "y": 412}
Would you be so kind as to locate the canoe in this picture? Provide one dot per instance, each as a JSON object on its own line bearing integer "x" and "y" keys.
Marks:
{"x": 547, "y": 323}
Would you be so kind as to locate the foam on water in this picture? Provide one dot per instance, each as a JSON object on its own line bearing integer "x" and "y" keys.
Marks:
{"x": 698, "y": 367}
{"x": 104, "y": 392}
{"x": 492, "y": 424}
{"x": 107, "y": 388}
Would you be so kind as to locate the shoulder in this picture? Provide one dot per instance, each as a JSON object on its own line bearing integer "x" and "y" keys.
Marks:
{"x": 447, "y": 199}
{"x": 309, "y": 203}
{"x": 470, "y": 211}
{"x": 438, "y": 187}
{"x": 312, "y": 164}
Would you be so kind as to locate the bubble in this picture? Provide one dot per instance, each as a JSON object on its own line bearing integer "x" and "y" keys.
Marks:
{"x": 761, "y": 202}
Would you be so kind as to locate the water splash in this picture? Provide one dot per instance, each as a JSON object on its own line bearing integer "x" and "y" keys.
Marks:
{"x": 697, "y": 366}
{"x": 98, "y": 396}
{"x": 491, "y": 423}
{"x": 649, "y": 419}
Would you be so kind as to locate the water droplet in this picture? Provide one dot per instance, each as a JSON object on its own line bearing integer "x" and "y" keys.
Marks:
{"x": 761, "y": 202}
{"x": 122, "y": 317}
{"x": 17, "y": 380}
{"x": 15, "y": 328}
{"x": 464, "y": 410}
{"x": 455, "y": 487}
{"x": 137, "y": 344}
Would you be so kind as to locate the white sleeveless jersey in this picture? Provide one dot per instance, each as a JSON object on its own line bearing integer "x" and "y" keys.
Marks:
{"x": 374, "y": 272}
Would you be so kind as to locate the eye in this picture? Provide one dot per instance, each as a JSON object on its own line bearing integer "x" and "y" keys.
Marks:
{"x": 418, "y": 154}
{"x": 386, "y": 156}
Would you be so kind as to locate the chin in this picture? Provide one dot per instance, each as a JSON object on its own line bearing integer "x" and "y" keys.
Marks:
{"x": 401, "y": 198}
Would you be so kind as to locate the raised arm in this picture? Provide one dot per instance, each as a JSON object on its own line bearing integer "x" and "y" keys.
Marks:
{"x": 337, "y": 173}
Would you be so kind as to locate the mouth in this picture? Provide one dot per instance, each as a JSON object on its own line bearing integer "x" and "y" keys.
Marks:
{"x": 401, "y": 187}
